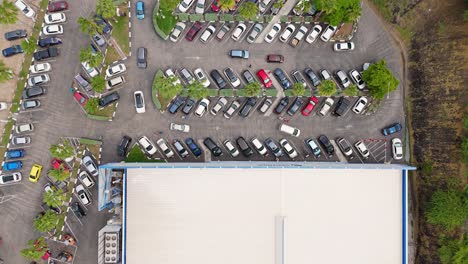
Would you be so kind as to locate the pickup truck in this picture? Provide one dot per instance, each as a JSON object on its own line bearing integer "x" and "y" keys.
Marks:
{"x": 46, "y": 54}
{"x": 299, "y": 36}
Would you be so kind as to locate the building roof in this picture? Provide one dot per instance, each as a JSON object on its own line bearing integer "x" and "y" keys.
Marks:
{"x": 263, "y": 215}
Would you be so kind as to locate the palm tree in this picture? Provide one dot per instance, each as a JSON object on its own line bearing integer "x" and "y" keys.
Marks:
{"x": 93, "y": 58}
{"x": 46, "y": 222}
{"x": 98, "y": 83}
{"x": 59, "y": 174}
{"x": 252, "y": 89}
{"x": 29, "y": 45}
{"x": 36, "y": 249}
{"x": 166, "y": 87}
{"x": 197, "y": 91}
{"x": 88, "y": 26}
{"x": 227, "y": 4}
{"x": 106, "y": 8}
{"x": 5, "y": 73}
{"x": 327, "y": 88}
{"x": 54, "y": 198}
{"x": 8, "y": 13}
{"x": 62, "y": 151}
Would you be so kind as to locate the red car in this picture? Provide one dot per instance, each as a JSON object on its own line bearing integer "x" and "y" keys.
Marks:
{"x": 80, "y": 98}
{"x": 264, "y": 77}
{"x": 193, "y": 31}
{"x": 215, "y": 7}
{"x": 57, "y": 6}
{"x": 56, "y": 164}
{"x": 313, "y": 101}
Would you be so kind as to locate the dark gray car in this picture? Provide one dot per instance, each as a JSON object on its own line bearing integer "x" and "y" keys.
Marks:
{"x": 141, "y": 58}
{"x": 34, "y": 91}
{"x": 312, "y": 77}
{"x": 271, "y": 144}
{"x": 16, "y": 34}
{"x": 248, "y": 76}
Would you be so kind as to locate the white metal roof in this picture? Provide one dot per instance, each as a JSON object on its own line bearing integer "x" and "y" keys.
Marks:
{"x": 263, "y": 216}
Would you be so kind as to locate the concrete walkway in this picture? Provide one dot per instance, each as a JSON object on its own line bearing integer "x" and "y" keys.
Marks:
{"x": 288, "y": 6}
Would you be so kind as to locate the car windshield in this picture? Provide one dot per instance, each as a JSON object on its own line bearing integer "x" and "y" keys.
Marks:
{"x": 8, "y": 178}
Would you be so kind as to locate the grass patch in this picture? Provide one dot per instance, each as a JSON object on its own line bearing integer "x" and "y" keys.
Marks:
{"x": 107, "y": 111}
{"x": 212, "y": 92}
{"x": 289, "y": 92}
{"x": 211, "y": 17}
{"x": 136, "y": 155}
{"x": 159, "y": 101}
{"x": 90, "y": 141}
{"x": 242, "y": 93}
{"x": 165, "y": 21}
{"x": 226, "y": 92}
{"x": 384, "y": 8}
{"x": 120, "y": 31}
{"x": 6, "y": 135}
{"x": 195, "y": 17}
{"x": 111, "y": 56}
{"x": 271, "y": 92}
{"x": 406, "y": 34}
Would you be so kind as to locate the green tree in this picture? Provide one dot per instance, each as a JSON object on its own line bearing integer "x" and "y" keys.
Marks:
{"x": 89, "y": 26}
{"x": 197, "y": 91}
{"x": 351, "y": 90}
{"x": 166, "y": 86}
{"x": 59, "y": 174}
{"x": 298, "y": 89}
{"x": 448, "y": 208}
{"x": 380, "y": 80}
{"x": 93, "y": 58}
{"x": 92, "y": 105}
{"x": 453, "y": 251}
{"x": 248, "y": 10}
{"x": 464, "y": 148}
{"x": 303, "y": 6}
{"x": 327, "y": 88}
{"x": 35, "y": 250}
{"x": 465, "y": 15}
{"x": 8, "y": 13}
{"x": 106, "y": 8}
{"x": 29, "y": 45}
{"x": 252, "y": 89}
{"x": 46, "y": 222}
{"x": 5, "y": 73}
{"x": 54, "y": 198}
{"x": 278, "y": 4}
{"x": 227, "y": 4}
{"x": 98, "y": 83}
{"x": 339, "y": 11}
{"x": 62, "y": 151}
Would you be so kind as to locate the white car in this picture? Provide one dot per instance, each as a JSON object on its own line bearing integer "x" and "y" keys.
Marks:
{"x": 52, "y": 30}
{"x": 343, "y": 46}
{"x": 200, "y": 7}
{"x": 170, "y": 73}
{"x": 55, "y": 18}
{"x": 263, "y": 5}
{"x": 328, "y": 33}
{"x": 238, "y": 31}
{"x": 259, "y": 146}
{"x": 39, "y": 79}
{"x": 316, "y": 30}
{"x": 201, "y": 77}
{"x": 10, "y": 178}
{"x": 397, "y": 149}
{"x": 232, "y": 77}
{"x": 292, "y": 153}
{"x": 90, "y": 165}
{"x": 230, "y": 148}
{"x": 357, "y": 79}
{"x": 3, "y": 106}
{"x": 231, "y": 109}
{"x": 177, "y": 31}
{"x": 273, "y": 32}
{"x": 202, "y": 106}
{"x": 179, "y": 127}
{"x": 147, "y": 145}
{"x": 139, "y": 102}
{"x": 85, "y": 179}
{"x": 185, "y": 5}
{"x": 327, "y": 104}
{"x": 360, "y": 105}
{"x": 115, "y": 70}
{"x": 287, "y": 33}
{"x": 84, "y": 198}
{"x": 165, "y": 148}
{"x": 40, "y": 68}
{"x": 24, "y": 128}
{"x": 92, "y": 71}
{"x": 23, "y": 7}
{"x": 362, "y": 149}
{"x": 218, "y": 106}
{"x": 207, "y": 33}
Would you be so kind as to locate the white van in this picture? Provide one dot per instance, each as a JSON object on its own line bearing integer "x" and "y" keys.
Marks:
{"x": 114, "y": 82}
{"x": 290, "y": 130}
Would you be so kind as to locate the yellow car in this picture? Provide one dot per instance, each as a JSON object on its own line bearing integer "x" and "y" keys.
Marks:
{"x": 35, "y": 173}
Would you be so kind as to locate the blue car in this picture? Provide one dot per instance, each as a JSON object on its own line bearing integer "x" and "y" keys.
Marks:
{"x": 13, "y": 50}
{"x": 193, "y": 147}
{"x": 282, "y": 78}
{"x": 15, "y": 154}
{"x": 12, "y": 165}
{"x": 394, "y": 128}
{"x": 175, "y": 105}
{"x": 140, "y": 10}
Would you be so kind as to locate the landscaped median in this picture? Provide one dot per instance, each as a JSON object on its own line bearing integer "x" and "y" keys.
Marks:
{"x": 163, "y": 19}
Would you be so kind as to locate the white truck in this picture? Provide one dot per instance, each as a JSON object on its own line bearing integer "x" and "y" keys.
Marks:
{"x": 299, "y": 36}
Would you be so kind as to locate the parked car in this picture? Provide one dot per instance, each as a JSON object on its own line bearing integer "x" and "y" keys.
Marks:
{"x": 393, "y": 128}
{"x": 238, "y": 31}
{"x": 225, "y": 29}
{"x": 215, "y": 7}
{"x": 299, "y": 36}
{"x": 176, "y": 104}
{"x": 282, "y": 105}
{"x": 78, "y": 210}
{"x": 140, "y": 10}
{"x": 46, "y": 54}
{"x": 256, "y": 30}
{"x": 58, "y": 164}
{"x": 230, "y": 148}
{"x": 357, "y": 79}
{"x": 259, "y": 147}
{"x": 292, "y": 153}
{"x": 57, "y": 6}
{"x": 170, "y": 74}
{"x": 263, "y": 5}
{"x": 92, "y": 71}
{"x": 164, "y": 146}
{"x": 327, "y": 104}
{"x": 362, "y": 149}
{"x": 109, "y": 99}
{"x": 35, "y": 173}
{"x": 282, "y": 78}
{"x": 180, "y": 148}
{"x": 16, "y": 34}
{"x": 265, "y": 106}
{"x": 298, "y": 78}
{"x": 218, "y": 79}
{"x": 196, "y": 151}
{"x": 343, "y": 46}
{"x": 313, "y": 145}
{"x": 177, "y": 31}
{"x": 24, "y": 128}
{"x": 84, "y": 198}
{"x": 115, "y": 70}
{"x": 207, "y": 33}
{"x": 196, "y": 27}
{"x": 123, "y": 146}
{"x": 200, "y": 7}
{"x": 25, "y": 9}
{"x": 244, "y": 147}
{"x": 141, "y": 57}
{"x": 139, "y": 102}
{"x": 341, "y": 107}
{"x": 12, "y": 165}
{"x": 147, "y": 145}
{"x": 325, "y": 74}
{"x": 220, "y": 104}
{"x": 242, "y": 54}
{"x": 202, "y": 107}
{"x": 231, "y": 109}
{"x": 185, "y": 5}
{"x": 249, "y": 78}
{"x": 328, "y": 33}
{"x": 231, "y": 76}
{"x": 273, "y": 33}
{"x": 90, "y": 165}
{"x": 313, "y": 101}
{"x": 81, "y": 98}
{"x": 179, "y": 127}
{"x": 275, "y": 58}
{"x": 397, "y": 149}
{"x": 51, "y": 30}
{"x": 38, "y": 79}
{"x": 213, "y": 147}
{"x": 201, "y": 77}
{"x": 114, "y": 82}
{"x": 360, "y": 105}
{"x": 296, "y": 105}
{"x": 248, "y": 106}
{"x": 271, "y": 144}
{"x": 49, "y": 41}
{"x": 342, "y": 78}
{"x": 312, "y": 77}
{"x": 264, "y": 77}
{"x": 326, "y": 144}
{"x": 188, "y": 106}
{"x": 40, "y": 68}
{"x": 106, "y": 27}
{"x": 14, "y": 154}
{"x": 13, "y": 50}
{"x": 10, "y": 178}
{"x": 99, "y": 39}
{"x": 30, "y": 104}
{"x": 287, "y": 33}
{"x": 186, "y": 76}
{"x": 345, "y": 147}
{"x": 314, "y": 33}
{"x": 85, "y": 179}
{"x": 290, "y": 130}
{"x": 34, "y": 91}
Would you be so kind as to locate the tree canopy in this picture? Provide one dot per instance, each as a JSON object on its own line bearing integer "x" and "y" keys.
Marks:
{"x": 35, "y": 250}
{"x": 62, "y": 151}
{"x": 98, "y": 83}
{"x": 225, "y": 5}
{"x": 379, "y": 79}
{"x": 54, "y": 198}
{"x": 89, "y": 26}
{"x": 352, "y": 90}
{"x": 5, "y": 73}
{"x": 59, "y": 174}
{"x": 453, "y": 251}
{"x": 448, "y": 208}
{"x": 29, "y": 45}
{"x": 106, "y": 8}
{"x": 166, "y": 87}
{"x": 327, "y": 88}
{"x": 252, "y": 89}
{"x": 248, "y": 10}
{"x": 92, "y": 105}
{"x": 298, "y": 89}
{"x": 197, "y": 91}
{"x": 93, "y": 58}
{"x": 8, "y": 12}
{"x": 46, "y": 222}
{"x": 339, "y": 11}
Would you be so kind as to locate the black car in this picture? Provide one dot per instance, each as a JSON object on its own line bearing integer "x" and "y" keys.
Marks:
{"x": 213, "y": 147}
{"x": 46, "y": 207}
{"x": 326, "y": 144}
{"x": 282, "y": 105}
{"x": 271, "y": 144}
{"x": 248, "y": 76}
{"x": 312, "y": 77}
{"x": 141, "y": 58}
{"x": 244, "y": 147}
{"x": 13, "y": 50}
{"x": 282, "y": 78}
{"x": 34, "y": 91}
{"x": 189, "y": 106}
{"x": 122, "y": 148}
{"x": 16, "y": 34}
{"x": 342, "y": 107}
{"x": 218, "y": 79}
{"x": 175, "y": 105}
{"x": 46, "y": 54}
{"x": 248, "y": 106}
{"x": 106, "y": 27}
{"x": 393, "y": 128}
{"x": 108, "y": 99}
{"x": 78, "y": 210}
{"x": 50, "y": 41}
{"x": 295, "y": 106}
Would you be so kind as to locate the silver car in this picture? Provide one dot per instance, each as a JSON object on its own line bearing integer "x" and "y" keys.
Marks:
{"x": 257, "y": 29}
{"x": 90, "y": 165}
